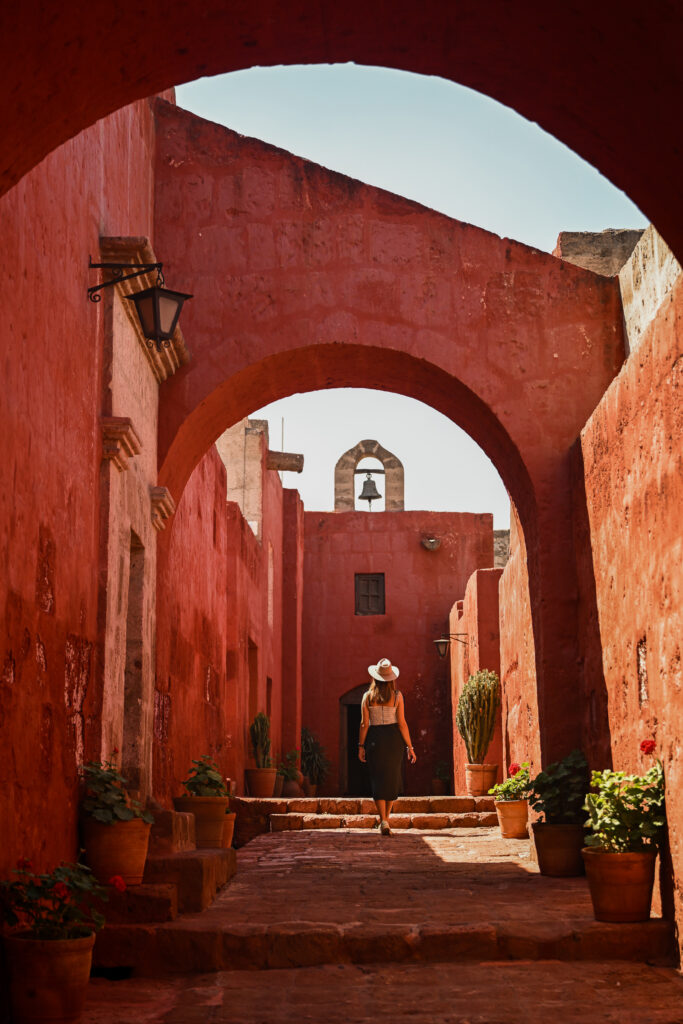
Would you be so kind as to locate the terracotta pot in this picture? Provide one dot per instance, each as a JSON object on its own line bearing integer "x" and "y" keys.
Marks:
{"x": 438, "y": 787}
{"x": 310, "y": 789}
{"x": 291, "y": 788}
{"x": 279, "y": 782}
{"x": 261, "y": 781}
{"x": 209, "y": 818}
{"x": 558, "y": 849}
{"x": 620, "y": 884}
{"x": 116, "y": 849}
{"x": 48, "y": 978}
{"x": 480, "y": 778}
{"x": 228, "y": 829}
{"x": 512, "y": 818}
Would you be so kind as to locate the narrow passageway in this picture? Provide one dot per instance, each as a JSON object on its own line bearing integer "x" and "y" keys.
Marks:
{"x": 454, "y": 925}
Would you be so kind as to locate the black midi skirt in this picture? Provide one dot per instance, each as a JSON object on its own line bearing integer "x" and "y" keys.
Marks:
{"x": 384, "y": 748}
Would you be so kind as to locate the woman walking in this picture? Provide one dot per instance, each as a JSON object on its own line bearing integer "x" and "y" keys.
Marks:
{"x": 383, "y": 736}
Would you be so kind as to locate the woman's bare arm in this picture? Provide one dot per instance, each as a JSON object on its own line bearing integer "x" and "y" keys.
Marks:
{"x": 403, "y": 727}
{"x": 364, "y": 726}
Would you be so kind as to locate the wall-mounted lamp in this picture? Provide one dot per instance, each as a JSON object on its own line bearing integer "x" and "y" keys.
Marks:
{"x": 444, "y": 642}
{"x": 431, "y": 543}
{"x": 158, "y": 308}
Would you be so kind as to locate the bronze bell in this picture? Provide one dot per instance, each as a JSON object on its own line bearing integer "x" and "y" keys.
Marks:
{"x": 369, "y": 492}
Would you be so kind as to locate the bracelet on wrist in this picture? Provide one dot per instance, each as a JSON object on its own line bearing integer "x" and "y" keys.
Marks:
{"x": 362, "y": 745}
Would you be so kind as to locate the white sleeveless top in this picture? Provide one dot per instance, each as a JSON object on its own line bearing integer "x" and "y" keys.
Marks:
{"x": 384, "y": 714}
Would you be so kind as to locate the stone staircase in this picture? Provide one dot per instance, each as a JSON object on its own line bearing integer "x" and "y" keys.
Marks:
{"x": 257, "y": 816}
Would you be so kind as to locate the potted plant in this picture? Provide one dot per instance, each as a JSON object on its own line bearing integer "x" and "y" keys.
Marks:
{"x": 314, "y": 762}
{"x": 207, "y": 798}
{"x": 476, "y": 719}
{"x": 627, "y": 815}
{"x": 261, "y": 779}
{"x": 511, "y": 800}
{"x": 291, "y": 775}
{"x": 50, "y": 954}
{"x": 559, "y": 793}
{"x": 441, "y": 779}
{"x": 115, "y": 828}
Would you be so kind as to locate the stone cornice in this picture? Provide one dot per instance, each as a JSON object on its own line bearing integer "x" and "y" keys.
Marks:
{"x": 163, "y": 506}
{"x": 122, "y": 249}
{"x": 286, "y": 462}
{"x": 120, "y": 441}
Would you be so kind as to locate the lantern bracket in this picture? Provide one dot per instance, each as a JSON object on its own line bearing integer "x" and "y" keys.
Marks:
{"x": 117, "y": 271}
{"x": 444, "y": 642}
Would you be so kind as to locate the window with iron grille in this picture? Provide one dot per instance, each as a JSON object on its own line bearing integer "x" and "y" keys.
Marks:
{"x": 369, "y": 593}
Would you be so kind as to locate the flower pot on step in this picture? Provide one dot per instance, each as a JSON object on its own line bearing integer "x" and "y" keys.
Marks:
{"x": 260, "y": 781}
{"x": 228, "y": 829}
{"x": 558, "y": 849}
{"x": 209, "y": 818}
{"x": 279, "y": 783}
{"x": 480, "y": 778}
{"x": 512, "y": 818}
{"x": 119, "y": 848}
{"x": 620, "y": 883}
{"x": 48, "y": 978}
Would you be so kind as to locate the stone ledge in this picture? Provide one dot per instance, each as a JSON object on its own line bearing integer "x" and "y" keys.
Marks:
{"x": 120, "y": 441}
{"x": 197, "y": 874}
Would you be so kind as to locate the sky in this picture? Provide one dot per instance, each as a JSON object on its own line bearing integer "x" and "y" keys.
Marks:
{"x": 453, "y": 150}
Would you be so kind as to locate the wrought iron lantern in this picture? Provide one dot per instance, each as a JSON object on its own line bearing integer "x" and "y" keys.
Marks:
{"x": 158, "y": 308}
{"x": 444, "y": 642}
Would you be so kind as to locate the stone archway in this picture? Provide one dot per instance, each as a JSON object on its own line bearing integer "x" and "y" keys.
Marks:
{"x": 344, "y": 476}
{"x": 304, "y": 280}
{"x": 541, "y": 61}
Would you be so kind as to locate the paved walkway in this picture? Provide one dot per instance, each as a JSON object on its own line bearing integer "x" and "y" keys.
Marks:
{"x": 351, "y": 926}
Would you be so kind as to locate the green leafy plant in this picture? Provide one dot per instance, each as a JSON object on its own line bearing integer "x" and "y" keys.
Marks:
{"x": 259, "y": 730}
{"x": 476, "y": 714}
{"x": 58, "y": 905}
{"x": 289, "y": 767}
{"x": 205, "y": 779}
{"x": 105, "y": 797}
{"x": 627, "y": 814}
{"x": 559, "y": 791}
{"x": 442, "y": 771}
{"x": 314, "y": 761}
{"x": 516, "y": 786}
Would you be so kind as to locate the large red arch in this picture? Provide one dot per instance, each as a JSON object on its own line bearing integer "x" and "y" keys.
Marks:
{"x": 604, "y": 78}
{"x": 305, "y": 279}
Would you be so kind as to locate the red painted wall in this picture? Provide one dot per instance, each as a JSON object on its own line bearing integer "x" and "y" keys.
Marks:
{"x": 51, "y": 362}
{"x": 420, "y": 586}
{"x": 634, "y": 496}
{"x": 477, "y": 617}
{"x": 292, "y": 618}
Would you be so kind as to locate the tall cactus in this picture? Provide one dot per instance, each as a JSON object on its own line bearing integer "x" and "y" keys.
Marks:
{"x": 259, "y": 730}
{"x": 476, "y": 715}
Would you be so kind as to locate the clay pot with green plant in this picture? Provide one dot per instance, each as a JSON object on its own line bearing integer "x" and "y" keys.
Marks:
{"x": 314, "y": 762}
{"x": 49, "y": 957}
{"x": 289, "y": 770}
{"x": 627, "y": 817}
{"x": 476, "y": 719}
{"x": 261, "y": 779}
{"x": 512, "y": 803}
{"x": 207, "y": 798}
{"x": 441, "y": 779}
{"x": 559, "y": 794}
{"x": 115, "y": 828}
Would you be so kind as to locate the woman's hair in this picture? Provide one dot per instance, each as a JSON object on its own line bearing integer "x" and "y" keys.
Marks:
{"x": 381, "y": 693}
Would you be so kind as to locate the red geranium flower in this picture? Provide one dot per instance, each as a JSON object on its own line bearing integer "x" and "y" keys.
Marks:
{"x": 61, "y": 890}
{"x": 513, "y": 769}
{"x": 114, "y": 751}
{"x": 117, "y": 883}
{"x": 24, "y": 864}
{"x": 647, "y": 746}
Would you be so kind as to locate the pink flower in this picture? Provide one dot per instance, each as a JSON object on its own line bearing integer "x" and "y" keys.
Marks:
{"x": 117, "y": 883}
{"x": 513, "y": 769}
{"x": 647, "y": 747}
{"x": 24, "y": 864}
{"x": 61, "y": 890}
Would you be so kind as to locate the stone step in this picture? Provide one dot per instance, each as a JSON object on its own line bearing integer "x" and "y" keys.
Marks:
{"x": 294, "y": 821}
{"x": 187, "y": 946}
{"x": 196, "y": 874}
{"x": 141, "y": 903}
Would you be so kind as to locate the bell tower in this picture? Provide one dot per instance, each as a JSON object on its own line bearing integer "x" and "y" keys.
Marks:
{"x": 345, "y": 470}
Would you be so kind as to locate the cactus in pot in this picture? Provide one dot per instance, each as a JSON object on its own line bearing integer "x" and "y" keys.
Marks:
{"x": 261, "y": 780}
{"x": 476, "y": 719}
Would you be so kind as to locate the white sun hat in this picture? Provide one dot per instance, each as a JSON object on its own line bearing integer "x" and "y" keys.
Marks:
{"x": 383, "y": 671}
